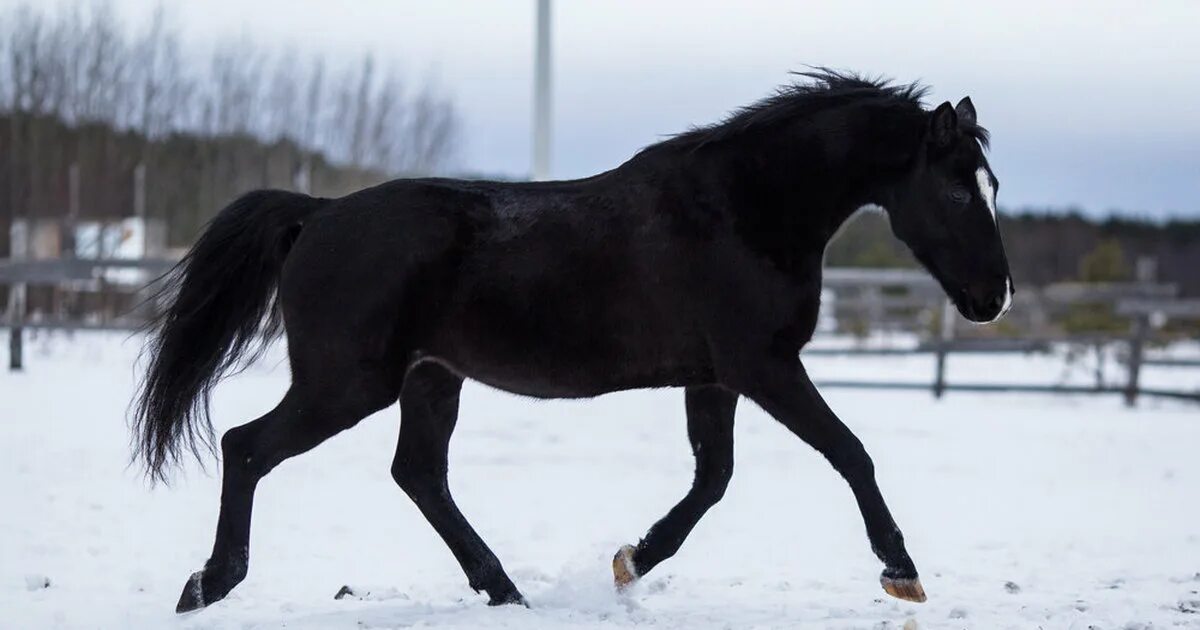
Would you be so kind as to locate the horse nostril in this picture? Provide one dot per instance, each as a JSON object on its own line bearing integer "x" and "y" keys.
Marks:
{"x": 996, "y": 303}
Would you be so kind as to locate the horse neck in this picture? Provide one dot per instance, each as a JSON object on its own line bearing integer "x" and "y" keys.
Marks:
{"x": 790, "y": 195}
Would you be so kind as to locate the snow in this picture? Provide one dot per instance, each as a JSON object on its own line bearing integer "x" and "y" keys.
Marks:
{"x": 1021, "y": 511}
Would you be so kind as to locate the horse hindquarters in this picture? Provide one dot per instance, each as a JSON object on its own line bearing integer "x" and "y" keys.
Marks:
{"x": 347, "y": 353}
{"x": 336, "y": 383}
{"x": 306, "y": 417}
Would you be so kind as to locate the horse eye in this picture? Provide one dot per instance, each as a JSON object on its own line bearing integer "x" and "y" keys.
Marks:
{"x": 959, "y": 194}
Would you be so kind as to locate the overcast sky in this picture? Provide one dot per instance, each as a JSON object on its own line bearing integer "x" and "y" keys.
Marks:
{"x": 1094, "y": 104}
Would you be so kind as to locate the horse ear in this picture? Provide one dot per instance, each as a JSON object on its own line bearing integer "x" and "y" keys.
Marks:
{"x": 943, "y": 125}
{"x": 966, "y": 111}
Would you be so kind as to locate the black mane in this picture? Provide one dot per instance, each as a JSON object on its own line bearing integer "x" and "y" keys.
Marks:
{"x": 825, "y": 88}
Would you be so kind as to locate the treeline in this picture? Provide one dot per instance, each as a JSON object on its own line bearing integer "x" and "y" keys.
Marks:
{"x": 185, "y": 178}
{"x": 1046, "y": 246}
{"x": 81, "y": 90}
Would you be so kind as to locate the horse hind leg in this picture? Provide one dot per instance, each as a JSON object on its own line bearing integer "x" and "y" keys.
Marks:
{"x": 304, "y": 418}
{"x": 429, "y": 411}
{"x": 710, "y": 413}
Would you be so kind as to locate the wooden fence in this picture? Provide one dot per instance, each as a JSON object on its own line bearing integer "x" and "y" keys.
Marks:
{"x": 907, "y": 300}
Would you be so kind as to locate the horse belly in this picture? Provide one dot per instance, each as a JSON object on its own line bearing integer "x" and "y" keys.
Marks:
{"x": 566, "y": 358}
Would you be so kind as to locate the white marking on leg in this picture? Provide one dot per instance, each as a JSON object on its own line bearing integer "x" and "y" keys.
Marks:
{"x": 984, "y": 179}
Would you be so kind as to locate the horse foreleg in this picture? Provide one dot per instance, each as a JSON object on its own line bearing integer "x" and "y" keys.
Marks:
{"x": 786, "y": 392}
{"x": 710, "y": 412}
{"x": 429, "y": 411}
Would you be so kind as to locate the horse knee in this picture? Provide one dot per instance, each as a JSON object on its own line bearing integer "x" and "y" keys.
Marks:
{"x": 853, "y": 462}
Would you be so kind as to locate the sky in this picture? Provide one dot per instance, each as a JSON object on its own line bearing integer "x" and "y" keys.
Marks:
{"x": 1091, "y": 104}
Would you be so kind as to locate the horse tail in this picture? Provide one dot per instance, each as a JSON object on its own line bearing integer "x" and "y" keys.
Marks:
{"x": 221, "y": 312}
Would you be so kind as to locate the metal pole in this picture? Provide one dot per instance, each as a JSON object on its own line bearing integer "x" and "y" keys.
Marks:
{"x": 541, "y": 94}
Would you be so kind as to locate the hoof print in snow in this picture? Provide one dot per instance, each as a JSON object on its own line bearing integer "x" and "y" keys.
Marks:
{"x": 363, "y": 594}
{"x": 958, "y": 613}
{"x": 36, "y": 582}
{"x": 911, "y": 624}
{"x": 1190, "y": 606}
{"x": 1012, "y": 587}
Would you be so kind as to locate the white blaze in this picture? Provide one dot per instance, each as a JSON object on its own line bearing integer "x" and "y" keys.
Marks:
{"x": 984, "y": 179}
{"x": 1008, "y": 296}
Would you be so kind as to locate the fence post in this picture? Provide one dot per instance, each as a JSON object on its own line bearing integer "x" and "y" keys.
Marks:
{"x": 945, "y": 335}
{"x": 14, "y": 349}
{"x": 1147, "y": 269}
{"x": 16, "y": 317}
{"x": 1137, "y": 343}
{"x": 139, "y": 190}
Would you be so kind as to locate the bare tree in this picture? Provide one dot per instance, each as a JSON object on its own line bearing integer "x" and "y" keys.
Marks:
{"x": 84, "y": 66}
{"x": 282, "y": 115}
{"x": 313, "y": 103}
{"x": 236, "y": 88}
{"x": 159, "y": 83}
{"x": 431, "y": 131}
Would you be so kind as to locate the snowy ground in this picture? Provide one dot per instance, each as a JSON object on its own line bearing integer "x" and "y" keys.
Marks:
{"x": 1090, "y": 511}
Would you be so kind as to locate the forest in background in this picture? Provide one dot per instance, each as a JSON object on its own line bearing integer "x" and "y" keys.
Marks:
{"x": 134, "y": 114}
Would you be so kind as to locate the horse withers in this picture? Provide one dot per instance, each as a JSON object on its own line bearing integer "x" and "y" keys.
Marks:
{"x": 695, "y": 264}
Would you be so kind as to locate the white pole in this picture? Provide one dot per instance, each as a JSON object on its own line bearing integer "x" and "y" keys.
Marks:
{"x": 541, "y": 94}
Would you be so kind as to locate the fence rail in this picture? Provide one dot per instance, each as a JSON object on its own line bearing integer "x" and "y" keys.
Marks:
{"x": 877, "y": 294}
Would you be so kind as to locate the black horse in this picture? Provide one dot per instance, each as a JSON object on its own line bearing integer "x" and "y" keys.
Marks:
{"x": 695, "y": 264}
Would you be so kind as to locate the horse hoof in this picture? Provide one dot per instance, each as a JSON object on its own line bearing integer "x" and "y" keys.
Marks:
{"x": 908, "y": 589}
{"x": 210, "y": 584}
{"x": 624, "y": 571}
{"x": 192, "y": 597}
{"x": 512, "y": 597}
